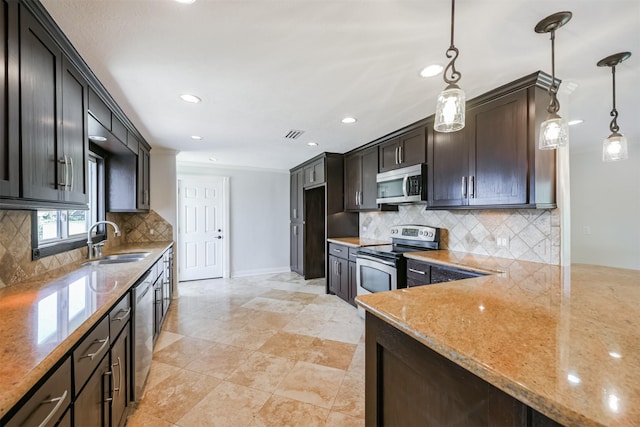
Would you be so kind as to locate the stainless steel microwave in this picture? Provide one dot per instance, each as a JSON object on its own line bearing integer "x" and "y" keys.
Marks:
{"x": 406, "y": 185}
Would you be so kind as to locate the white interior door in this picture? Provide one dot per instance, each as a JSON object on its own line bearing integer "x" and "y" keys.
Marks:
{"x": 201, "y": 233}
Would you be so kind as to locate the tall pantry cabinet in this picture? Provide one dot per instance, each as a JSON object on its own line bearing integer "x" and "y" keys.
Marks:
{"x": 317, "y": 213}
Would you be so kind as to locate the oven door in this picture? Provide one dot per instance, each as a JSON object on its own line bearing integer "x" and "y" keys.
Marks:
{"x": 375, "y": 275}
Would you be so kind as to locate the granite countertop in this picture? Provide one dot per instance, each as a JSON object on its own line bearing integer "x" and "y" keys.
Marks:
{"x": 563, "y": 340}
{"x": 357, "y": 242}
{"x": 34, "y": 330}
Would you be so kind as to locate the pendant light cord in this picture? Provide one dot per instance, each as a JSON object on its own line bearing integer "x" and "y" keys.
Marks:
{"x": 452, "y": 52}
{"x": 554, "y": 104}
{"x": 613, "y": 126}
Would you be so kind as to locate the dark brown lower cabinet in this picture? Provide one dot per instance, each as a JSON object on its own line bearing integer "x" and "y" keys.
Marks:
{"x": 408, "y": 384}
{"x": 120, "y": 375}
{"x": 339, "y": 276}
{"x": 352, "y": 283}
{"x": 91, "y": 407}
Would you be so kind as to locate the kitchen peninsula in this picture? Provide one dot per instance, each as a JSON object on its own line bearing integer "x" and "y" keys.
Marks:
{"x": 529, "y": 341}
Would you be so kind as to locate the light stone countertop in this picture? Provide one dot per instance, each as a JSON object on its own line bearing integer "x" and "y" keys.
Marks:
{"x": 33, "y": 337}
{"x": 563, "y": 340}
{"x": 357, "y": 242}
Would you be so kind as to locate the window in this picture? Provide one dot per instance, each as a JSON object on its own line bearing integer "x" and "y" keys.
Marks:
{"x": 63, "y": 230}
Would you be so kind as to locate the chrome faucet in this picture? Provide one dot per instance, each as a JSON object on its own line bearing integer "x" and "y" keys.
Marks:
{"x": 96, "y": 250}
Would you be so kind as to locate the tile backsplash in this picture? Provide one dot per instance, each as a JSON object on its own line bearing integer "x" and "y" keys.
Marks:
{"x": 531, "y": 234}
{"x": 17, "y": 266}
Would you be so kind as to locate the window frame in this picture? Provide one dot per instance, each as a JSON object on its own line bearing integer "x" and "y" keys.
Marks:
{"x": 45, "y": 249}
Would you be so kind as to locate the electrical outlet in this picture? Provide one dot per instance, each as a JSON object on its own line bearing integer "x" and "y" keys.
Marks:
{"x": 152, "y": 231}
{"x": 502, "y": 242}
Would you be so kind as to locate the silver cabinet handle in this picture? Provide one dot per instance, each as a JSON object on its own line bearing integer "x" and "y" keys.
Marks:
{"x": 464, "y": 187}
{"x": 63, "y": 183}
{"x": 71, "y": 183}
{"x": 124, "y": 316}
{"x": 337, "y": 250}
{"x": 396, "y": 150}
{"x": 104, "y": 342}
{"x": 295, "y": 230}
{"x": 400, "y": 155}
{"x": 109, "y": 374}
{"x": 295, "y": 213}
{"x": 339, "y": 268}
{"x": 356, "y": 198}
{"x": 472, "y": 185}
{"x": 119, "y": 365}
{"x": 417, "y": 271}
{"x": 59, "y": 401}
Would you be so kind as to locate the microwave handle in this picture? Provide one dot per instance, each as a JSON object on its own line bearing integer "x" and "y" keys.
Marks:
{"x": 405, "y": 190}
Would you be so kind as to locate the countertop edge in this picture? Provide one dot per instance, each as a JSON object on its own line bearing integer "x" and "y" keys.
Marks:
{"x": 57, "y": 354}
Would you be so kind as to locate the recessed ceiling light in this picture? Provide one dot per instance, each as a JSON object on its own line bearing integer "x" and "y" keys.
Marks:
{"x": 312, "y": 144}
{"x": 348, "y": 120}
{"x": 213, "y": 159}
{"x": 97, "y": 138}
{"x": 575, "y": 122}
{"x": 185, "y": 1}
{"x": 196, "y": 138}
{"x": 190, "y": 98}
{"x": 431, "y": 70}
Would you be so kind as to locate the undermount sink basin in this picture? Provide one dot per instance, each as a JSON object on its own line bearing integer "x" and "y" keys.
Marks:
{"x": 118, "y": 258}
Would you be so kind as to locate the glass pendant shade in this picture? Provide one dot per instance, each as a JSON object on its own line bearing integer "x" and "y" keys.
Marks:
{"x": 450, "y": 110}
{"x": 554, "y": 133}
{"x": 614, "y": 148}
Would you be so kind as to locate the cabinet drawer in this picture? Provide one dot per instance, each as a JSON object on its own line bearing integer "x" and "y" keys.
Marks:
{"x": 49, "y": 402}
{"x": 353, "y": 252}
{"x": 418, "y": 273}
{"x": 90, "y": 352}
{"x": 339, "y": 251}
{"x": 119, "y": 317}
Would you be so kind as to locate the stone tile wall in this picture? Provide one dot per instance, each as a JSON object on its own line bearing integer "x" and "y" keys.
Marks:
{"x": 532, "y": 234}
{"x": 15, "y": 243}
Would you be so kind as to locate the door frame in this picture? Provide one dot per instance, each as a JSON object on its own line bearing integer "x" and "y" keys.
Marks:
{"x": 226, "y": 252}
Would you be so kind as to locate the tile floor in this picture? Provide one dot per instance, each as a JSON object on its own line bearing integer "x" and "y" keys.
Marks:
{"x": 271, "y": 350}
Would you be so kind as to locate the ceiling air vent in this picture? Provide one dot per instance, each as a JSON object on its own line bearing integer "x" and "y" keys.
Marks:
{"x": 293, "y": 134}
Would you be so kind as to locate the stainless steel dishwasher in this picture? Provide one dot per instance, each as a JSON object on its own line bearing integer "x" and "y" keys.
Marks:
{"x": 142, "y": 333}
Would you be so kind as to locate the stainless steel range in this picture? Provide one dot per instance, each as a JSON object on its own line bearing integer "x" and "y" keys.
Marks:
{"x": 383, "y": 268}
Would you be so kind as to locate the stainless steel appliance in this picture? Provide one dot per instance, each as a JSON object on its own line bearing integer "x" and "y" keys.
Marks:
{"x": 142, "y": 333}
{"x": 406, "y": 185}
{"x": 383, "y": 268}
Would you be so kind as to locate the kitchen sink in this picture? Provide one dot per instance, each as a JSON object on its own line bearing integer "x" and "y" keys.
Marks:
{"x": 118, "y": 258}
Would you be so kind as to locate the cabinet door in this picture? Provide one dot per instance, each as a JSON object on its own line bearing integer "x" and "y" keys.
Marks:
{"x": 353, "y": 183}
{"x": 74, "y": 134}
{"x": 143, "y": 178}
{"x": 40, "y": 101}
{"x": 389, "y": 155}
{"x": 297, "y": 248}
{"x": 498, "y": 164}
{"x": 9, "y": 155}
{"x": 157, "y": 304}
{"x": 314, "y": 173}
{"x": 448, "y": 169}
{"x": 369, "y": 185}
{"x": 121, "y": 374}
{"x": 343, "y": 278}
{"x": 297, "y": 195}
{"x": 413, "y": 148}
{"x": 91, "y": 406}
{"x": 333, "y": 278}
{"x": 418, "y": 273}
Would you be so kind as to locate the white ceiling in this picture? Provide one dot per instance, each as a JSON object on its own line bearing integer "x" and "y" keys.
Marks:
{"x": 263, "y": 67}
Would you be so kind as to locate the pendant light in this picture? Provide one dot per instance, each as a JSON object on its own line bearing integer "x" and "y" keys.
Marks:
{"x": 451, "y": 105}
{"x": 615, "y": 146}
{"x": 554, "y": 131}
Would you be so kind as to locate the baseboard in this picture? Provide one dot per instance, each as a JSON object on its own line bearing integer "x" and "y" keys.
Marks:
{"x": 260, "y": 271}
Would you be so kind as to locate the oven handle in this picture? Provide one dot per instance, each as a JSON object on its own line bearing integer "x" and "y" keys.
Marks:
{"x": 374, "y": 259}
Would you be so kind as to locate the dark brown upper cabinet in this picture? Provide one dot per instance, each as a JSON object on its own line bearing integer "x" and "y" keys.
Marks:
{"x": 405, "y": 150}
{"x": 144, "y": 185}
{"x": 297, "y": 195}
{"x": 53, "y": 105}
{"x": 314, "y": 173}
{"x": 9, "y": 148}
{"x": 493, "y": 161}
{"x": 361, "y": 168}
